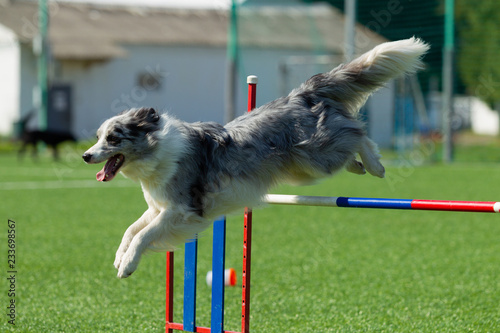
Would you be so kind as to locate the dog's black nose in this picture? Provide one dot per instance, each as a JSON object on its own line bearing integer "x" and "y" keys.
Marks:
{"x": 86, "y": 157}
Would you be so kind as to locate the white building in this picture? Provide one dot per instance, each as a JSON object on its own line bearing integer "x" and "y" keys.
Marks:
{"x": 113, "y": 58}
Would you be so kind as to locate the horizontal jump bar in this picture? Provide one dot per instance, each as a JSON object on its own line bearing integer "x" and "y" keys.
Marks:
{"x": 443, "y": 205}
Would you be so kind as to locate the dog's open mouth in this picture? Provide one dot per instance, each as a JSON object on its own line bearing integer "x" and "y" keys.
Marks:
{"x": 110, "y": 168}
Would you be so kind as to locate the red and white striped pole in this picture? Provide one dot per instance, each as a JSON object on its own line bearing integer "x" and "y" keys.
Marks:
{"x": 247, "y": 232}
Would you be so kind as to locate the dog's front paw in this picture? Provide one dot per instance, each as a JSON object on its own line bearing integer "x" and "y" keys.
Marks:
{"x": 126, "y": 266}
{"x": 122, "y": 274}
{"x": 118, "y": 259}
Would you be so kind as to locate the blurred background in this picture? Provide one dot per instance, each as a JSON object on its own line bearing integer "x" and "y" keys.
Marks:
{"x": 68, "y": 65}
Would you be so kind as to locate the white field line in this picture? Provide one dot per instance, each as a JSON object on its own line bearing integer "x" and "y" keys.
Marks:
{"x": 47, "y": 172}
{"x": 59, "y": 184}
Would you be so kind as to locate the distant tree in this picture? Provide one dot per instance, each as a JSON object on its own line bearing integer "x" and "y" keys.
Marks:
{"x": 478, "y": 60}
{"x": 477, "y": 31}
{"x": 400, "y": 19}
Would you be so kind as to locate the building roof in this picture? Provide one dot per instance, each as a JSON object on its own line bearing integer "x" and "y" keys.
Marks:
{"x": 95, "y": 32}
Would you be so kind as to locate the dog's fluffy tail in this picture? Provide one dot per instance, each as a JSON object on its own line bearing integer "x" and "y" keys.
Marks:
{"x": 352, "y": 83}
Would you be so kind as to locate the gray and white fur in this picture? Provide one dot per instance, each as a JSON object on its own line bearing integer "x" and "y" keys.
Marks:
{"x": 191, "y": 173}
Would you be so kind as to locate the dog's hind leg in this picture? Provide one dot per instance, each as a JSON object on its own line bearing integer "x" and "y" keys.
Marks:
{"x": 34, "y": 152}
{"x": 22, "y": 151}
{"x": 355, "y": 167}
{"x": 55, "y": 152}
{"x": 137, "y": 226}
{"x": 169, "y": 229}
{"x": 370, "y": 156}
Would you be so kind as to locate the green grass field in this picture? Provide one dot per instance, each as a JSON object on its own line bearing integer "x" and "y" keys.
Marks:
{"x": 314, "y": 269}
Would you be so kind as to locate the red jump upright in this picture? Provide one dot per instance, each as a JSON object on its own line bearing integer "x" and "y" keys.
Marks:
{"x": 190, "y": 271}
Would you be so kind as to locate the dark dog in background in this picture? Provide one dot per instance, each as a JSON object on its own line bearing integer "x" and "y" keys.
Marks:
{"x": 50, "y": 138}
{"x": 32, "y": 137}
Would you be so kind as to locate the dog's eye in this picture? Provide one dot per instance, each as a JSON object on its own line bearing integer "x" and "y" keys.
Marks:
{"x": 113, "y": 139}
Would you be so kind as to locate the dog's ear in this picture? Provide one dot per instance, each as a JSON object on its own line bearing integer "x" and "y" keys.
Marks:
{"x": 147, "y": 115}
{"x": 143, "y": 120}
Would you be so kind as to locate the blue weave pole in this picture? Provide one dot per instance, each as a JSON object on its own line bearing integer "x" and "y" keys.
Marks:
{"x": 190, "y": 263}
{"x": 218, "y": 264}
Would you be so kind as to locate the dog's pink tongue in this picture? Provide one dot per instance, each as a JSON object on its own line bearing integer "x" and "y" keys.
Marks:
{"x": 108, "y": 171}
{"x": 101, "y": 174}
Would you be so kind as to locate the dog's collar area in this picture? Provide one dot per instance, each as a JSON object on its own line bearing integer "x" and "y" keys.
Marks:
{"x": 111, "y": 168}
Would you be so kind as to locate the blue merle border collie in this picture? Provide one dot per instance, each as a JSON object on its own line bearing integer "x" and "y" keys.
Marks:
{"x": 191, "y": 173}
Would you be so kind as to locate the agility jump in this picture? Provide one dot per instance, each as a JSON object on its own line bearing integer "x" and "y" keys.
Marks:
{"x": 219, "y": 243}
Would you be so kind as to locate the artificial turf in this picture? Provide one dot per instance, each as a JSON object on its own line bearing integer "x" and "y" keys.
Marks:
{"x": 313, "y": 269}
